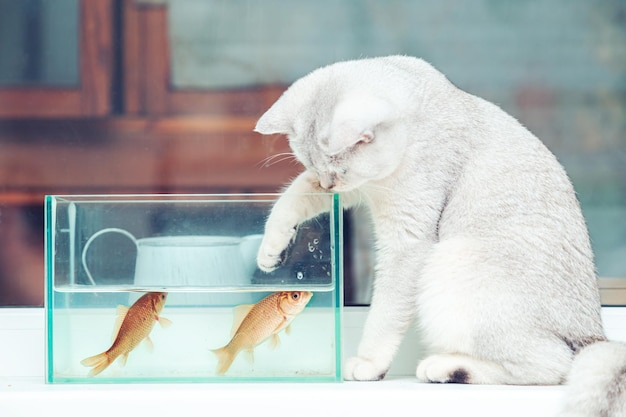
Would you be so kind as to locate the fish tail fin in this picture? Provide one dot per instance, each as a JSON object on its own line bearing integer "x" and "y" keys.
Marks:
{"x": 224, "y": 359}
{"x": 98, "y": 362}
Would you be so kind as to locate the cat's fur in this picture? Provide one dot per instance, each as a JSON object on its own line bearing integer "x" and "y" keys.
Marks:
{"x": 477, "y": 227}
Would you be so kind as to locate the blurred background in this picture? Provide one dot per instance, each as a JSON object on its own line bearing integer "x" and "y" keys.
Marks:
{"x": 160, "y": 96}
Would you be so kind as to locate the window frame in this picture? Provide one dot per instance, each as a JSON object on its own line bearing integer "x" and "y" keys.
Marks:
{"x": 147, "y": 70}
{"x": 92, "y": 96}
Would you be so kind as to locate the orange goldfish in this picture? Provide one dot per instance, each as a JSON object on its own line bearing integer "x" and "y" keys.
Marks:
{"x": 133, "y": 325}
{"x": 256, "y": 323}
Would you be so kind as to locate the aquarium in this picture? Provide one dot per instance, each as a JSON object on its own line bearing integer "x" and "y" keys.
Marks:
{"x": 165, "y": 288}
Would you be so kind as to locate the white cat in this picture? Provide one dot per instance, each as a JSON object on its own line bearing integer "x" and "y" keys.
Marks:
{"x": 478, "y": 230}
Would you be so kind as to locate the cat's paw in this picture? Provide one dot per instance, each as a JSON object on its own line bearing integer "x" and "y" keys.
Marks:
{"x": 362, "y": 369}
{"x": 442, "y": 369}
{"x": 273, "y": 249}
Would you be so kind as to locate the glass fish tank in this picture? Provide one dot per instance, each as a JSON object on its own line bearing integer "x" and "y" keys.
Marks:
{"x": 165, "y": 288}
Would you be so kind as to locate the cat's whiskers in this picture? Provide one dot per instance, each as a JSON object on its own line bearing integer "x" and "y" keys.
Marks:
{"x": 277, "y": 158}
{"x": 360, "y": 193}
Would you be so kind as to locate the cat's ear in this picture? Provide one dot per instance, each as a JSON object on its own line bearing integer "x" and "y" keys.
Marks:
{"x": 355, "y": 121}
{"x": 277, "y": 119}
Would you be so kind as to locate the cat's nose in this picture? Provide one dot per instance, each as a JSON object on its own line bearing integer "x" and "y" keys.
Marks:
{"x": 327, "y": 185}
{"x": 328, "y": 182}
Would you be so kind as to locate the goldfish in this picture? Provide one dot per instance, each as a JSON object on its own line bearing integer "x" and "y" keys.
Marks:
{"x": 256, "y": 323}
{"x": 133, "y": 325}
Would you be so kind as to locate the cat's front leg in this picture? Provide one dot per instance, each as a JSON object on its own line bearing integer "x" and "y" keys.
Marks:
{"x": 280, "y": 229}
{"x": 300, "y": 201}
{"x": 391, "y": 312}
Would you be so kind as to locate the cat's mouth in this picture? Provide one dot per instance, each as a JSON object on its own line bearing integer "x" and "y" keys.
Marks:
{"x": 335, "y": 186}
{"x": 336, "y": 181}
{"x": 330, "y": 187}
{"x": 329, "y": 184}
{"x": 327, "y": 181}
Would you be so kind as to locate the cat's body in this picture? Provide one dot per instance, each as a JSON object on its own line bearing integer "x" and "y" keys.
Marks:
{"x": 477, "y": 227}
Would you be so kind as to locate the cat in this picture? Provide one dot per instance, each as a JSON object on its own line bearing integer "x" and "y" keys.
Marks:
{"x": 478, "y": 231}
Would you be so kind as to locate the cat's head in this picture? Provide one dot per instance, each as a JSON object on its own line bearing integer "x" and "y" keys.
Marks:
{"x": 342, "y": 127}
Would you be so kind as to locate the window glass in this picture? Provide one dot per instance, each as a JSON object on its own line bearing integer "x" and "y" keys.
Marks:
{"x": 39, "y": 43}
{"x": 559, "y": 66}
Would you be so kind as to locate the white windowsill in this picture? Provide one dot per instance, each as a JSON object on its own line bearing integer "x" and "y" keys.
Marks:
{"x": 24, "y": 393}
